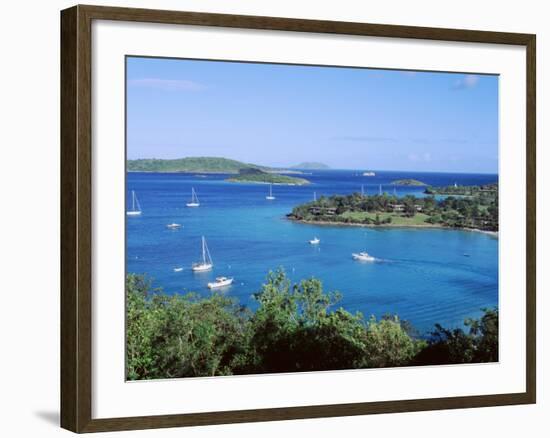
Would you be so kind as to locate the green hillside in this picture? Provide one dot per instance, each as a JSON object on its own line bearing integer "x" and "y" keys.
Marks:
{"x": 189, "y": 165}
{"x": 310, "y": 166}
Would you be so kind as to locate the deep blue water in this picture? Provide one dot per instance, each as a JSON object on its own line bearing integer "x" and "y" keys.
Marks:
{"x": 421, "y": 275}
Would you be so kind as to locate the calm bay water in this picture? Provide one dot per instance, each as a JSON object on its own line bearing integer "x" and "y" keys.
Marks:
{"x": 421, "y": 275}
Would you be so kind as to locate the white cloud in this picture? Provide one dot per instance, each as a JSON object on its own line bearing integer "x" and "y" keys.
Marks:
{"x": 167, "y": 84}
{"x": 468, "y": 81}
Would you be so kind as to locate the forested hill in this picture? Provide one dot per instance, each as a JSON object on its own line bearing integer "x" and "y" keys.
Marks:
{"x": 310, "y": 166}
{"x": 190, "y": 165}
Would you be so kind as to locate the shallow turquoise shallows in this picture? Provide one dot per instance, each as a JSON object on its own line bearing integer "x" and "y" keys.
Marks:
{"x": 425, "y": 276}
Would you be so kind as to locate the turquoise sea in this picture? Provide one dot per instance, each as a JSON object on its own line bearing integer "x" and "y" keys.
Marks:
{"x": 426, "y": 276}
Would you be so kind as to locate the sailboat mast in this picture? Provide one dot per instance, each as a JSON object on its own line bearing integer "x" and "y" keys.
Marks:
{"x": 203, "y": 251}
{"x": 133, "y": 201}
{"x": 380, "y": 189}
{"x": 362, "y": 190}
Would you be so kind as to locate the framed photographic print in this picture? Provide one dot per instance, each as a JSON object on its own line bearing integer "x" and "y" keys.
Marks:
{"x": 270, "y": 218}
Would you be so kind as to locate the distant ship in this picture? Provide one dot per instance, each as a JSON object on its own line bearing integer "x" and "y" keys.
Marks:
{"x": 370, "y": 173}
{"x": 315, "y": 241}
{"x": 173, "y": 226}
{"x": 194, "y": 199}
{"x": 136, "y": 208}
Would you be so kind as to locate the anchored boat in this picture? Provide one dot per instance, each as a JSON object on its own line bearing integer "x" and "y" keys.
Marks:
{"x": 194, "y": 199}
{"x": 315, "y": 241}
{"x": 270, "y": 197}
{"x": 206, "y": 263}
{"x": 136, "y": 208}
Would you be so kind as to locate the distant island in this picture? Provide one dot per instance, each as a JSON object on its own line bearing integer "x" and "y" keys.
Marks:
{"x": 254, "y": 175}
{"x": 478, "y": 212}
{"x": 191, "y": 165}
{"x": 408, "y": 182}
{"x": 310, "y": 165}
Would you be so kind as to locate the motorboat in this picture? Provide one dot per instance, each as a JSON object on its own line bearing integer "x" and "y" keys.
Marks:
{"x": 220, "y": 282}
{"x": 363, "y": 257}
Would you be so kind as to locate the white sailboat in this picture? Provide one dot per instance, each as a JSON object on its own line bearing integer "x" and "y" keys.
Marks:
{"x": 206, "y": 263}
{"x": 220, "y": 282}
{"x": 270, "y": 197}
{"x": 194, "y": 199}
{"x": 173, "y": 226}
{"x": 315, "y": 241}
{"x": 136, "y": 208}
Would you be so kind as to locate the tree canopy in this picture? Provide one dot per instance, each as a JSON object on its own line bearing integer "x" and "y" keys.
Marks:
{"x": 296, "y": 327}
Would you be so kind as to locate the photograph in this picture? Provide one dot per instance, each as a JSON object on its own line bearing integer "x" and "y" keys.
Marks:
{"x": 284, "y": 218}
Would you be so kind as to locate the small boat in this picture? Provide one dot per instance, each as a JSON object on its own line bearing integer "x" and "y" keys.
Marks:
{"x": 363, "y": 257}
{"x": 220, "y": 282}
{"x": 178, "y": 269}
{"x": 369, "y": 173}
{"x": 270, "y": 197}
{"x": 315, "y": 241}
{"x": 194, "y": 199}
{"x": 206, "y": 263}
{"x": 173, "y": 226}
{"x": 136, "y": 208}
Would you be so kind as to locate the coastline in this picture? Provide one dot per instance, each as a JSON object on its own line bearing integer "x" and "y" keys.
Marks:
{"x": 427, "y": 226}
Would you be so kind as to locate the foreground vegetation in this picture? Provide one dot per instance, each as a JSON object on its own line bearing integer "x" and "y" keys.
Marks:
{"x": 189, "y": 165}
{"x": 477, "y": 211}
{"x": 259, "y": 176}
{"x": 296, "y": 327}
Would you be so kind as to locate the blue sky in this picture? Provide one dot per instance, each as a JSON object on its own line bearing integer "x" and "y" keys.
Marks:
{"x": 280, "y": 115}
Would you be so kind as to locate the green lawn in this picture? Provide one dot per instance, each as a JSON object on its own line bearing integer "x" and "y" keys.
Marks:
{"x": 417, "y": 219}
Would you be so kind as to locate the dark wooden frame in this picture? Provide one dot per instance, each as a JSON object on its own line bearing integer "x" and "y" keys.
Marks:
{"x": 76, "y": 235}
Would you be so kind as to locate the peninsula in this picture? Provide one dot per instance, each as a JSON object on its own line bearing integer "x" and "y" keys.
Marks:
{"x": 457, "y": 190}
{"x": 253, "y": 175}
{"x": 478, "y": 212}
